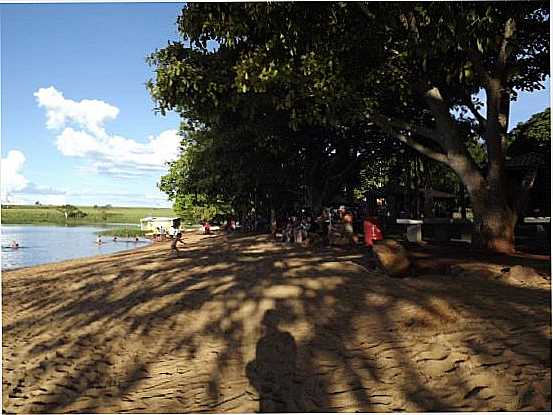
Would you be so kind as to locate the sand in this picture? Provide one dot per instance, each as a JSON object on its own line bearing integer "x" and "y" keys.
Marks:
{"x": 242, "y": 324}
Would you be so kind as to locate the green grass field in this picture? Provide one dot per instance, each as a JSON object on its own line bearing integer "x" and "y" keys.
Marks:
{"x": 122, "y": 232}
{"x": 29, "y": 214}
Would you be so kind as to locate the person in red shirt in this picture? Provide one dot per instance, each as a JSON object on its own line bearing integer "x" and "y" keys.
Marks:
{"x": 373, "y": 231}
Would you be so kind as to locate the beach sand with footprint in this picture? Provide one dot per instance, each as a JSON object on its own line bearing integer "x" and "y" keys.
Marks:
{"x": 242, "y": 324}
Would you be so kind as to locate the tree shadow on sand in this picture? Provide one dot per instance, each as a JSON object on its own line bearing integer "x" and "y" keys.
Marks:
{"x": 242, "y": 324}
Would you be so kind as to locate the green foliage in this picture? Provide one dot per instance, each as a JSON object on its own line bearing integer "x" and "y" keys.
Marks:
{"x": 197, "y": 208}
{"x": 122, "y": 232}
{"x": 71, "y": 212}
{"x": 332, "y": 62}
{"x": 533, "y": 135}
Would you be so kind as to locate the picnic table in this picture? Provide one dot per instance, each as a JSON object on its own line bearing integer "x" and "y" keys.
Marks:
{"x": 540, "y": 224}
{"x": 414, "y": 229}
{"x": 443, "y": 229}
{"x": 539, "y": 219}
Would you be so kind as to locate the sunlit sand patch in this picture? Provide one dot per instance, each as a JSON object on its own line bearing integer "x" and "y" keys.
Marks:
{"x": 377, "y": 300}
{"x": 318, "y": 284}
{"x": 283, "y": 291}
{"x": 223, "y": 287}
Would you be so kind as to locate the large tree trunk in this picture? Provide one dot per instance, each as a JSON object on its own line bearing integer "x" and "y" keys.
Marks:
{"x": 494, "y": 221}
{"x": 495, "y": 216}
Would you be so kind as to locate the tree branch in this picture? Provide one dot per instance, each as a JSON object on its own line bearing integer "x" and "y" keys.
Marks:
{"x": 467, "y": 101}
{"x": 501, "y": 64}
{"x": 384, "y": 122}
{"x": 389, "y": 125}
{"x": 427, "y": 151}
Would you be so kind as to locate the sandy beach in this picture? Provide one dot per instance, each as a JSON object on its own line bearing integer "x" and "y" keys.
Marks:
{"x": 242, "y": 324}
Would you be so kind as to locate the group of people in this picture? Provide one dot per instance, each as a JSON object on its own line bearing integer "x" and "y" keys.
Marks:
{"x": 296, "y": 229}
{"x": 334, "y": 227}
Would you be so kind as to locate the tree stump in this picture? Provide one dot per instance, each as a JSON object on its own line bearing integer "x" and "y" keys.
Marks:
{"x": 392, "y": 258}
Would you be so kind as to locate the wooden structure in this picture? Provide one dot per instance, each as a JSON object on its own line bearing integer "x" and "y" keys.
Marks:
{"x": 151, "y": 224}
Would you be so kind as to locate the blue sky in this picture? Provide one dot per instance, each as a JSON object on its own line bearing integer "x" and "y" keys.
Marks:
{"x": 76, "y": 52}
{"x": 77, "y": 123}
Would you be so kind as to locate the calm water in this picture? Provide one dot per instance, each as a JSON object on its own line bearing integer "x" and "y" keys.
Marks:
{"x": 43, "y": 244}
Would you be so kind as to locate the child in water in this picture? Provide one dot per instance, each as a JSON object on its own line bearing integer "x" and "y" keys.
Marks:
{"x": 99, "y": 240}
{"x": 15, "y": 245}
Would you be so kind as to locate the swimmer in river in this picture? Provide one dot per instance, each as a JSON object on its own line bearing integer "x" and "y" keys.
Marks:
{"x": 15, "y": 245}
{"x": 99, "y": 240}
{"x": 115, "y": 239}
{"x": 136, "y": 239}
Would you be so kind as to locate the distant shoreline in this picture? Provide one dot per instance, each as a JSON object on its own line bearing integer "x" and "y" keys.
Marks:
{"x": 78, "y": 215}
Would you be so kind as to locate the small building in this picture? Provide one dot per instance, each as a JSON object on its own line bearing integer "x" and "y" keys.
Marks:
{"x": 150, "y": 224}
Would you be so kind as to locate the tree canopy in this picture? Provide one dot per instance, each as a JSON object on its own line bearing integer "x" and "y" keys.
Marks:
{"x": 408, "y": 70}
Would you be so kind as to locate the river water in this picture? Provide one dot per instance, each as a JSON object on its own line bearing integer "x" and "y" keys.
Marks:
{"x": 44, "y": 244}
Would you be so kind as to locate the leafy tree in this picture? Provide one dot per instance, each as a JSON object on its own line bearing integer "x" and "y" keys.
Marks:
{"x": 531, "y": 138}
{"x": 195, "y": 208}
{"x": 533, "y": 135}
{"x": 71, "y": 212}
{"x": 412, "y": 69}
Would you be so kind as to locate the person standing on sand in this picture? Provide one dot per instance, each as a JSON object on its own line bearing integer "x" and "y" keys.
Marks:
{"x": 176, "y": 240}
{"x": 347, "y": 220}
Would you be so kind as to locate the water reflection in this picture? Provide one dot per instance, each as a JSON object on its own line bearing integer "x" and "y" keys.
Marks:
{"x": 44, "y": 244}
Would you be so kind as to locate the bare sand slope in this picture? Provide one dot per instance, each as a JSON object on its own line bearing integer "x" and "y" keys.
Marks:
{"x": 245, "y": 325}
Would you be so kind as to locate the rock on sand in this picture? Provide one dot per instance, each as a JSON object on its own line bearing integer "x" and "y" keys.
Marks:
{"x": 392, "y": 258}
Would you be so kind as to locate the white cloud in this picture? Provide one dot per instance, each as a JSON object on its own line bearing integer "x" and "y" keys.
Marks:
{"x": 87, "y": 113}
{"x": 12, "y": 179}
{"x": 76, "y": 143}
{"x": 17, "y": 189}
{"x": 116, "y": 154}
{"x": 107, "y": 153}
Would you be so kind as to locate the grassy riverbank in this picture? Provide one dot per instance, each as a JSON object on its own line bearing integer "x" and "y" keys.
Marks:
{"x": 33, "y": 214}
{"x": 122, "y": 232}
